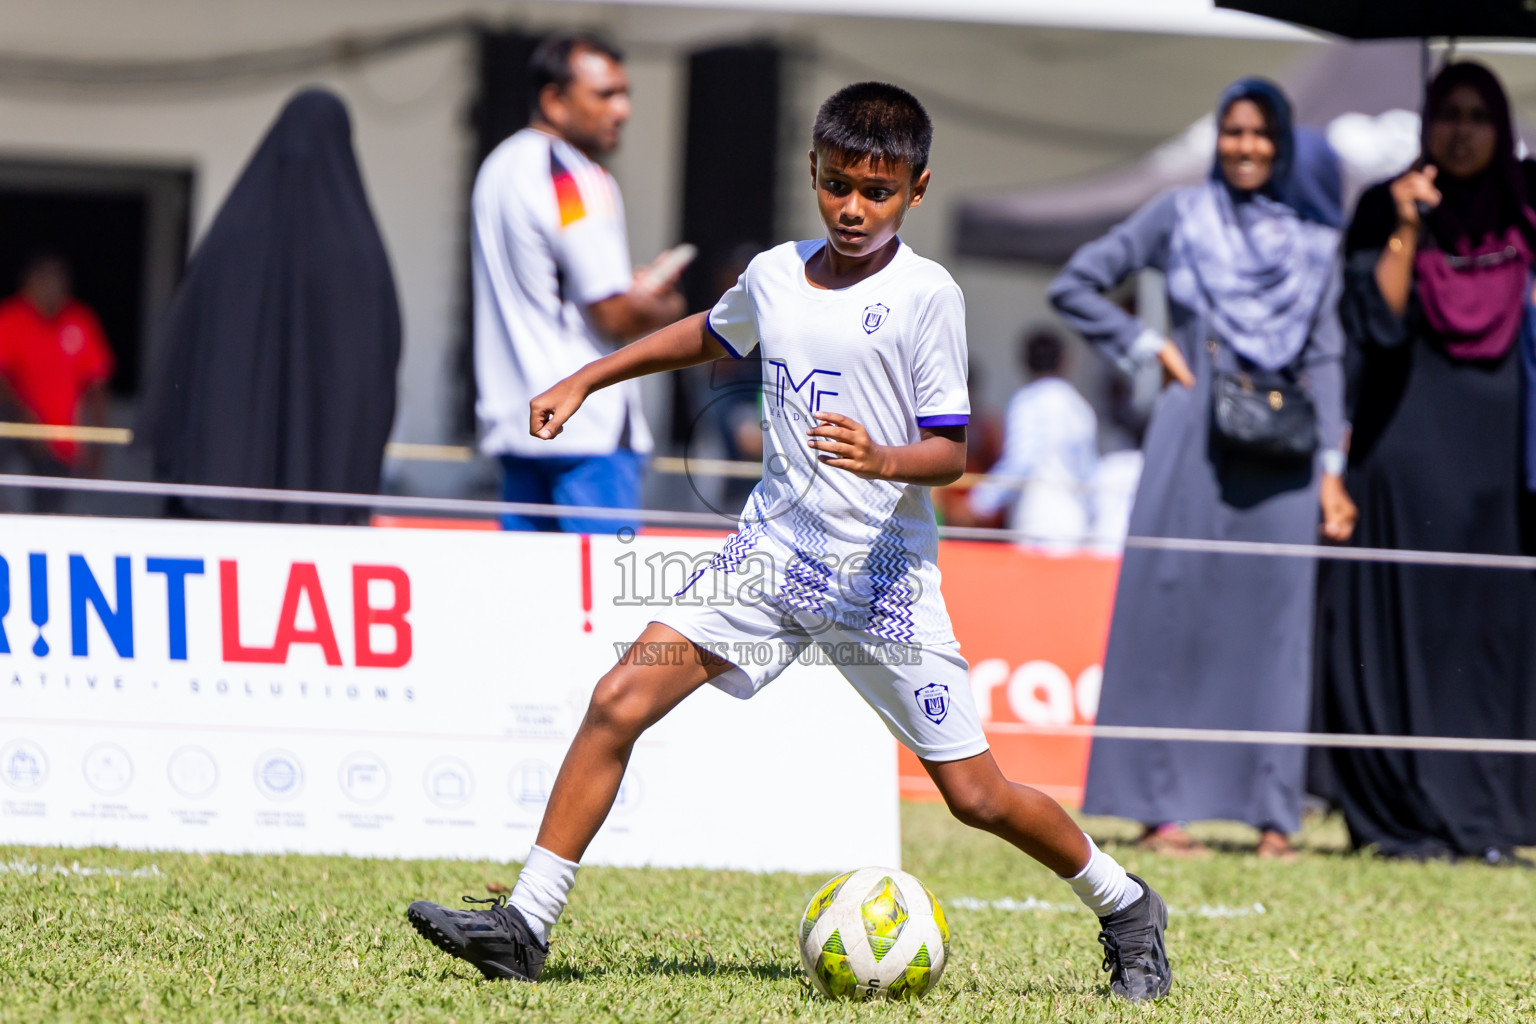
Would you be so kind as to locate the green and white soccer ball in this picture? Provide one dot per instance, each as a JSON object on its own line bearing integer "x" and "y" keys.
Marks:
{"x": 874, "y": 932}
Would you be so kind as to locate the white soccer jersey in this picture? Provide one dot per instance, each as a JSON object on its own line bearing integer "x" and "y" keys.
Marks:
{"x": 888, "y": 352}
{"x": 548, "y": 241}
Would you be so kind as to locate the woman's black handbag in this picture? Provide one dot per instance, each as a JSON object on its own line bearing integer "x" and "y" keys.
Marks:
{"x": 1269, "y": 417}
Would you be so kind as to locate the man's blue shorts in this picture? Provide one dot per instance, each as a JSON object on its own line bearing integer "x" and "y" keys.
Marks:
{"x": 601, "y": 481}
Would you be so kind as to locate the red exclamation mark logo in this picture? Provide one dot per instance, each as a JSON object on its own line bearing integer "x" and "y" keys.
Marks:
{"x": 586, "y": 583}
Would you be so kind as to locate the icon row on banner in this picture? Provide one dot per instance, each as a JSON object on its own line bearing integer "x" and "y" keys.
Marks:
{"x": 280, "y": 775}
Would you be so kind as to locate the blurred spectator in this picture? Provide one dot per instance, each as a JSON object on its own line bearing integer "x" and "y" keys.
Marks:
{"x": 983, "y": 447}
{"x": 1438, "y": 266}
{"x": 1125, "y": 423}
{"x": 1210, "y": 640}
{"x": 1118, "y": 473}
{"x": 554, "y": 290}
{"x": 277, "y": 360}
{"x": 54, "y": 366}
{"x": 1050, "y": 450}
{"x": 732, "y": 404}
{"x": 1112, "y": 494}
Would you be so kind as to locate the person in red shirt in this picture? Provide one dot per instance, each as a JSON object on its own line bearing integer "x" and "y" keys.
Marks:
{"x": 54, "y": 365}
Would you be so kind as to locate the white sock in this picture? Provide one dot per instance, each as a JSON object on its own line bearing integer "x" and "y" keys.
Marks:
{"x": 1103, "y": 885}
{"x": 542, "y": 890}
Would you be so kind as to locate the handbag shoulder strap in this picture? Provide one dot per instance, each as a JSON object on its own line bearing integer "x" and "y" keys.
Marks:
{"x": 1226, "y": 359}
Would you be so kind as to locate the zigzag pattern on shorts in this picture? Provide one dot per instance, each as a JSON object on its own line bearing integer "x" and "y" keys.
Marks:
{"x": 807, "y": 578}
{"x": 891, "y": 570}
{"x": 740, "y": 543}
{"x": 806, "y": 582}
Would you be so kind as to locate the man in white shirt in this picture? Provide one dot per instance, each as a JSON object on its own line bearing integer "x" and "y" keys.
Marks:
{"x": 554, "y": 289}
{"x": 1050, "y": 452}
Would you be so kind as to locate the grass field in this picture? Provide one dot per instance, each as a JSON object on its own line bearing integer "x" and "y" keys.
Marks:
{"x": 176, "y": 937}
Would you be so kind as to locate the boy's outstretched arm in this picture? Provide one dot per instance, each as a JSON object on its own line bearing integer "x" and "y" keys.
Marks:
{"x": 936, "y": 460}
{"x": 685, "y": 343}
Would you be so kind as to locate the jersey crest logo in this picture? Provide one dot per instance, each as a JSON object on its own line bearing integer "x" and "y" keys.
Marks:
{"x": 933, "y": 699}
{"x": 874, "y": 316}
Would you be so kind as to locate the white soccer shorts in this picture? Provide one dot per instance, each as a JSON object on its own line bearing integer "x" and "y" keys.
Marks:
{"x": 921, "y": 692}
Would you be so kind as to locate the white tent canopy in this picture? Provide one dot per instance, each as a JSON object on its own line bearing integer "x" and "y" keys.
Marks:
{"x": 1178, "y": 17}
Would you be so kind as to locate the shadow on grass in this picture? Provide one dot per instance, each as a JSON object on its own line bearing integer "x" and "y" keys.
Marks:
{"x": 1228, "y": 848}
{"x": 1322, "y": 835}
{"x": 705, "y": 966}
{"x": 1060, "y": 991}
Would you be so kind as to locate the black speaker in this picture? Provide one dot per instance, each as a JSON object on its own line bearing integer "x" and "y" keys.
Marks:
{"x": 500, "y": 108}
{"x": 502, "y": 96}
{"x": 730, "y": 158}
{"x": 730, "y": 182}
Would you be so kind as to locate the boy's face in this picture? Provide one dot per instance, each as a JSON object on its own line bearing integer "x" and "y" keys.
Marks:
{"x": 861, "y": 204}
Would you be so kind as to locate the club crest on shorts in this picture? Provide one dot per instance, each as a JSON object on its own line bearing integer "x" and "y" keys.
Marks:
{"x": 934, "y": 701}
{"x": 874, "y": 316}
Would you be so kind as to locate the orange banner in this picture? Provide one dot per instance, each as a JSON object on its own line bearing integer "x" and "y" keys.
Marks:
{"x": 1033, "y": 628}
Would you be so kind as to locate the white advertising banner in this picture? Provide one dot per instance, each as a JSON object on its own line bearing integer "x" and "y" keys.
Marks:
{"x": 390, "y": 692}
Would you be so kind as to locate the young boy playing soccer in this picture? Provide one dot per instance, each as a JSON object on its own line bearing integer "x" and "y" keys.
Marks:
{"x": 864, "y": 363}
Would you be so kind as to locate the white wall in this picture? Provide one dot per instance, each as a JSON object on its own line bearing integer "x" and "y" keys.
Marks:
{"x": 1013, "y": 105}
{"x": 407, "y": 111}
{"x": 410, "y": 118}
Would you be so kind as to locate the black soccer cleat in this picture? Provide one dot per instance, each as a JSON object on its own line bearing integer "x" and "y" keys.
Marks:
{"x": 1134, "y": 954}
{"x": 498, "y": 941}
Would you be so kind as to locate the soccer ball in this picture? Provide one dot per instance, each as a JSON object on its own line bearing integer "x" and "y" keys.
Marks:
{"x": 874, "y": 932}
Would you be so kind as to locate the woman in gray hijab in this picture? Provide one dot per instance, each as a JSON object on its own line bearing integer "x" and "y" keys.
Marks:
{"x": 1213, "y": 640}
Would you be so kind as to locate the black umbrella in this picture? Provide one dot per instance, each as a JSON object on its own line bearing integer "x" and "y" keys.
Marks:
{"x": 1400, "y": 19}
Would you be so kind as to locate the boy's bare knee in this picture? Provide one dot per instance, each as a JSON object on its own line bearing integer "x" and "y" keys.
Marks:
{"x": 979, "y": 806}
{"x": 618, "y": 705}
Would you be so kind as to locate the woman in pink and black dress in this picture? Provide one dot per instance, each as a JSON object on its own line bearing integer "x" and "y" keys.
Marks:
{"x": 1437, "y": 280}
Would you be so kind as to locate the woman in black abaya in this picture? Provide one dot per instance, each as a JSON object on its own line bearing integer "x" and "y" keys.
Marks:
{"x": 1438, "y": 272}
{"x": 276, "y": 365}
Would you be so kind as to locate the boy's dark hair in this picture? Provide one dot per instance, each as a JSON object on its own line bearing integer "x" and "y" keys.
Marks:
{"x": 882, "y": 122}
{"x": 550, "y": 63}
{"x": 1042, "y": 350}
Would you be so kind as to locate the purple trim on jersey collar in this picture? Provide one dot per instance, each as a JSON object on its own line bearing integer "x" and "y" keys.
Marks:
{"x": 947, "y": 420}
{"x": 721, "y": 339}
